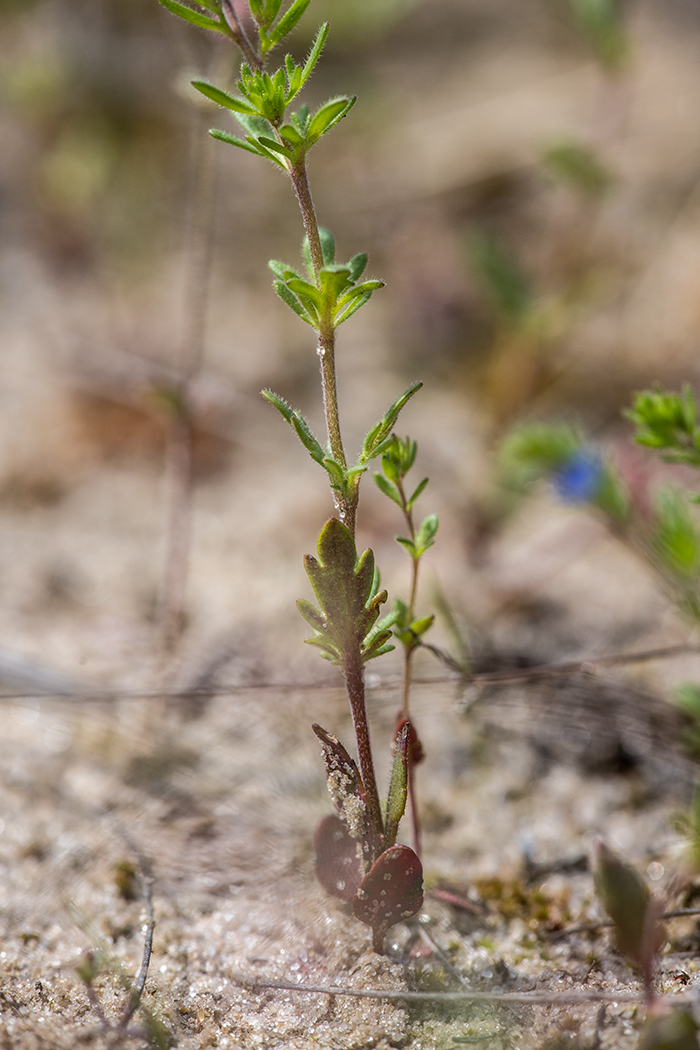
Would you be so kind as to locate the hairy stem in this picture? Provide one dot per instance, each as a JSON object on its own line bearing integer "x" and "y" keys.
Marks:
{"x": 240, "y": 37}
{"x": 347, "y": 505}
{"x": 300, "y": 181}
{"x": 354, "y": 681}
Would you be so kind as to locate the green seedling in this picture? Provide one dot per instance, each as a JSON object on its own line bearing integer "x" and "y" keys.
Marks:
{"x": 409, "y": 629}
{"x": 634, "y": 912}
{"x": 358, "y": 858}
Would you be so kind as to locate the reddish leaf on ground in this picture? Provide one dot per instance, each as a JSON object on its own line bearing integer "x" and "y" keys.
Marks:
{"x": 391, "y": 891}
{"x": 338, "y": 866}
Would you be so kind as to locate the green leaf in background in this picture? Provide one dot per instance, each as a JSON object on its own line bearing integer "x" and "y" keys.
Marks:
{"x": 502, "y": 278}
{"x": 601, "y": 23}
{"x": 676, "y": 537}
{"x": 577, "y": 165}
{"x": 667, "y": 422}
{"x": 625, "y": 897}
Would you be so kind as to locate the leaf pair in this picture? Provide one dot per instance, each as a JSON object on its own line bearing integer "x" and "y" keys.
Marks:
{"x": 346, "y": 591}
{"x": 398, "y": 458}
{"x": 329, "y": 297}
{"x": 410, "y": 631}
{"x": 425, "y": 537}
{"x": 343, "y": 481}
{"x": 264, "y": 12}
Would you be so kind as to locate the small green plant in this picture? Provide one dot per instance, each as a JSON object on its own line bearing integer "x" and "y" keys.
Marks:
{"x": 358, "y": 858}
{"x": 639, "y": 935}
{"x": 408, "y": 628}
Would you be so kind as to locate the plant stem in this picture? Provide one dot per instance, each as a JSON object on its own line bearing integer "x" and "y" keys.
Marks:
{"x": 346, "y": 505}
{"x": 355, "y": 684}
{"x": 239, "y": 34}
{"x": 407, "y": 660}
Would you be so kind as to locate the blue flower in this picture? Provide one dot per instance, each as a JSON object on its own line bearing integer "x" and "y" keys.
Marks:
{"x": 579, "y": 478}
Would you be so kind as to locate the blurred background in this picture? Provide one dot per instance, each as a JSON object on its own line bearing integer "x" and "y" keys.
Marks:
{"x": 525, "y": 176}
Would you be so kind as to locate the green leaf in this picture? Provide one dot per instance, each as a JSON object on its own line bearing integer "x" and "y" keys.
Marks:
{"x": 426, "y": 532}
{"x": 398, "y": 786}
{"x": 315, "y": 53}
{"x": 676, "y": 535}
{"x": 327, "y": 245}
{"x": 578, "y": 165}
{"x": 388, "y": 489}
{"x": 282, "y": 270}
{"x": 287, "y": 23}
{"x": 345, "y": 313}
{"x": 293, "y": 303}
{"x": 311, "y": 614}
{"x": 223, "y": 136}
{"x": 625, "y": 897}
{"x": 409, "y": 545}
{"x": 328, "y": 115}
{"x": 335, "y": 473}
{"x": 196, "y": 19}
{"x": 222, "y": 98}
{"x": 383, "y": 428}
{"x": 264, "y": 152}
{"x": 420, "y": 626}
{"x": 358, "y": 265}
{"x": 277, "y": 147}
{"x": 282, "y": 406}
{"x": 416, "y": 494}
{"x": 290, "y": 134}
{"x": 502, "y": 278}
{"x": 333, "y": 281}
{"x": 307, "y": 438}
{"x": 307, "y": 291}
{"x": 255, "y": 124}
